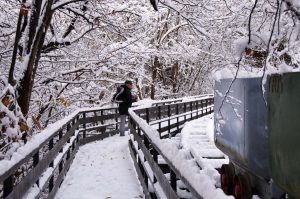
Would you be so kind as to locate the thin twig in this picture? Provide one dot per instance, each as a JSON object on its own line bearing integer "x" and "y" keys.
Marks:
{"x": 268, "y": 48}
{"x": 232, "y": 82}
{"x": 250, "y": 19}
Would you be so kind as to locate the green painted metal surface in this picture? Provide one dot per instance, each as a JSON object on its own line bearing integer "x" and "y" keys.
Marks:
{"x": 284, "y": 131}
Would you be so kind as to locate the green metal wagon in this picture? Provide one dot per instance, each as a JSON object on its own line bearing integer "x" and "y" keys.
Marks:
{"x": 284, "y": 131}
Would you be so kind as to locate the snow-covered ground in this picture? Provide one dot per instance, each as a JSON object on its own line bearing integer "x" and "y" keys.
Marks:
{"x": 197, "y": 136}
{"x": 102, "y": 170}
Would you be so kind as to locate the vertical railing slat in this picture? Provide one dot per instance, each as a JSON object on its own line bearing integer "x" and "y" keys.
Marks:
{"x": 84, "y": 125}
{"x": 8, "y": 185}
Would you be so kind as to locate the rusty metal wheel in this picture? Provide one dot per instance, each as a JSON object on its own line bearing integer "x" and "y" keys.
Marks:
{"x": 227, "y": 176}
{"x": 241, "y": 187}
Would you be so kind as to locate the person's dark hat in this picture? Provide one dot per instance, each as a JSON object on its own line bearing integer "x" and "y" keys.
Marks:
{"x": 128, "y": 82}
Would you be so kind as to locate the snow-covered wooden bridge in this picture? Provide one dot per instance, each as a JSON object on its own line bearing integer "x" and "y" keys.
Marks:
{"x": 168, "y": 163}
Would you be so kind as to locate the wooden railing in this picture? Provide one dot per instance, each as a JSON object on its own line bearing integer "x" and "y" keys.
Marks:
{"x": 169, "y": 118}
{"x": 41, "y": 171}
{"x": 157, "y": 172}
{"x": 169, "y": 100}
{"x": 40, "y": 166}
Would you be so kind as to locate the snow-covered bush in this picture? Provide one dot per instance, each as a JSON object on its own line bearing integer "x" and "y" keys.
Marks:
{"x": 14, "y": 130}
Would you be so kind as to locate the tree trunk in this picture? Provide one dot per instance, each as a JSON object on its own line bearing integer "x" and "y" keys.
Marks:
{"x": 36, "y": 39}
{"x": 138, "y": 88}
{"x": 175, "y": 69}
{"x": 155, "y": 66}
{"x": 195, "y": 78}
{"x": 11, "y": 79}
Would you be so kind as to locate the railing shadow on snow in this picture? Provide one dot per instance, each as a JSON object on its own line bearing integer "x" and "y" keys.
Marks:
{"x": 158, "y": 174}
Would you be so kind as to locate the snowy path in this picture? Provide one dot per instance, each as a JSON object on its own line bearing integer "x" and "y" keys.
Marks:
{"x": 102, "y": 170}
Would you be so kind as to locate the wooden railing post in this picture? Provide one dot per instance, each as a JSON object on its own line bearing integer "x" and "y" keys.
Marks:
{"x": 191, "y": 107}
{"x": 206, "y": 108}
{"x": 73, "y": 146}
{"x": 68, "y": 128}
{"x": 197, "y": 107}
{"x": 77, "y": 120}
{"x": 68, "y": 154}
{"x": 169, "y": 121}
{"x": 116, "y": 119}
{"x": 173, "y": 180}
{"x": 8, "y": 185}
{"x": 60, "y": 135}
{"x": 146, "y": 142}
{"x": 36, "y": 159}
{"x": 159, "y": 124}
{"x": 155, "y": 158}
{"x": 143, "y": 172}
{"x": 73, "y": 123}
{"x": 60, "y": 166}
{"x": 50, "y": 148}
{"x": 101, "y": 114}
{"x": 147, "y": 115}
{"x": 201, "y": 108}
{"x": 184, "y": 110}
{"x": 51, "y": 183}
{"x": 177, "y": 118}
{"x": 84, "y": 125}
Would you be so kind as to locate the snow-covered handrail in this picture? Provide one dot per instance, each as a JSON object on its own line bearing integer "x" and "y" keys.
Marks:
{"x": 39, "y": 166}
{"x": 147, "y": 144}
{"x": 181, "y": 99}
{"x": 170, "y": 112}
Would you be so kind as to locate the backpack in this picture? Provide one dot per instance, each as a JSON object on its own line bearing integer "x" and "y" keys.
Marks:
{"x": 117, "y": 96}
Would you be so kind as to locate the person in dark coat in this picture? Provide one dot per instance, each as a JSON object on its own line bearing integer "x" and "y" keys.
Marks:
{"x": 126, "y": 99}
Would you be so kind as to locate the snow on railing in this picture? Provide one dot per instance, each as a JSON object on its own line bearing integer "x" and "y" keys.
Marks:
{"x": 177, "y": 100}
{"x": 147, "y": 145}
{"x": 38, "y": 168}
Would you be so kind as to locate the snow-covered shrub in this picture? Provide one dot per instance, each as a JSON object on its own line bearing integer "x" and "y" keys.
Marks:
{"x": 14, "y": 130}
